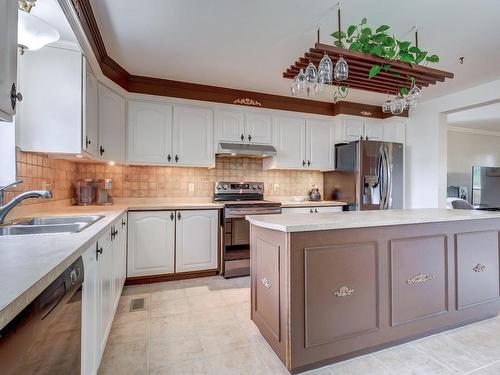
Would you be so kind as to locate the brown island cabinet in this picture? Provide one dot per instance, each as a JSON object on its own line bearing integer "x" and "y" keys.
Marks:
{"x": 332, "y": 286}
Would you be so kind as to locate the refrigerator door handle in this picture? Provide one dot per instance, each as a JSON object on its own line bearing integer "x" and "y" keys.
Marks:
{"x": 381, "y": 176}
{"x": 388, "y": 187}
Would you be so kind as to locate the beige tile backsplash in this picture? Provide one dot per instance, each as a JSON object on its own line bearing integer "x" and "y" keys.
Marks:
{"x": 41, "y": 172}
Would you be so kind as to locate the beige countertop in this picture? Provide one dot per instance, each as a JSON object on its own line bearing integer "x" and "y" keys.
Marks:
{"x": 363, "y": 219}
{"x": 29, "y": 263}
{"x": 293, "y": 204}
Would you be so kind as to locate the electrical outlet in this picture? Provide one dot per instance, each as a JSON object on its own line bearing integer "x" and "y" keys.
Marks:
{"x": 276, "y": 188}
{"x": 191, "y": 187}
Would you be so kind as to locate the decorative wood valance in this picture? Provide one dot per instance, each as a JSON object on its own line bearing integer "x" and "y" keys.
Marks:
{"x": 359, "y": 65}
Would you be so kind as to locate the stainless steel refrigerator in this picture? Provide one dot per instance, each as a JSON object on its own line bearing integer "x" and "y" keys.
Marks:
{"x": 368, "y": 175}
{"x": 486, "y": 187}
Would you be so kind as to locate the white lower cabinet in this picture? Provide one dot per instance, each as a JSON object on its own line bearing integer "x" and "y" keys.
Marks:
{"x": 164, "y": 242}
{"x": 196, "y": 240}
{"x": 151, "y": 241}
{"x": 311, "y": 210}
{"x": 104, "y": 266}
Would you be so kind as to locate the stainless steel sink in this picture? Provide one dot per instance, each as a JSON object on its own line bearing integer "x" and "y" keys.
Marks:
{"x": 48, "y": 225}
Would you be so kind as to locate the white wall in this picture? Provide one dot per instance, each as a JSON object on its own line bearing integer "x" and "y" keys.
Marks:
{"x": 7, "y": 153}
{"x": 466, "y": 150}
{"x": 426, "y": 136}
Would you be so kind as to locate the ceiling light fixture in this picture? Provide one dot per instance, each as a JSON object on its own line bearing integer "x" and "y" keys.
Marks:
{"x": 33, "y": 33}
{"x": 312, "y": 81}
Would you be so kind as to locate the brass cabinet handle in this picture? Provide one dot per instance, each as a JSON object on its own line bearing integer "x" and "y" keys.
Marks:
{"x": 479, "y": 267}
{"x": 344, "y": 292}
{"x": 420, "y": 278}
{"x": 267, "y": 284}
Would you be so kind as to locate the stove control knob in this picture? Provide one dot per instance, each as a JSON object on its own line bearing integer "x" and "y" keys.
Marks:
{"x": 219, "y": 187}
{"x": 260, "y": 186}
{"x": 254, "y": 187}
{"x": 224, "y": 187}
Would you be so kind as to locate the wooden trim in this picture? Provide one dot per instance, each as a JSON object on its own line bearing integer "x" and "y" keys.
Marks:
{"x": 136, "y": 280}
{"x": 178, "y": 89}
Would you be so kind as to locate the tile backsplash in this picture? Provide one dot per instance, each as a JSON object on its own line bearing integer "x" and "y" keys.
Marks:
{"x": 38, "y": 171}
{"x": 175, "y": 182}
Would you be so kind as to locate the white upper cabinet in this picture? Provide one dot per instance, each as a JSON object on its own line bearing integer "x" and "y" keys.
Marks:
{"x": 259, "y": 128}
{"x": 196, "y": 240}
{"x": 395, "y": 131}
{"x": 8, "y": 57}
{"x": 90, "y": 113}
{"x": 290, "y": 142}
{"x": 49, "y": 119}
{"x": 149, "y": 133}
{"x": 230, "y": 126}
{"x": 349, "y": 129}
{"x": 151, "y": 243}
{"x": 352, "y": 130}
{"x": 193, "y": 136}
{"x": 111, "y": 124}
{"x": 320, "y": 144}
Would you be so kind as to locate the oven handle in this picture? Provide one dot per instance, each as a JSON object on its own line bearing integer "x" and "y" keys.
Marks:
{"x": 236, "y": 214}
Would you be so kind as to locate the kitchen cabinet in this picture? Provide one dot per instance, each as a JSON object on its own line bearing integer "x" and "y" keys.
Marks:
{"x": 8, "y": 58}
{"x": 111, "y": 116}
{"x": 349, "y": 129}
{"x": 104, "y": 264}
{"x": 258, "y": 128}
{"x": 239, "y": 126}
{"x": 193, "y": 132}
{"x": 196, "y": 240}
{"x": 395, "y": 131}
{"x": 164, "y": 242}
{"x": 149, "y": 133}
{"x": 151, "y": 243}
{"x": 302, "y": 143}
{"x": 230, "y": 126}
{"x": 90, "y": 129}
{"x": 311, "y": 209}
{"x": 50, "y": 117}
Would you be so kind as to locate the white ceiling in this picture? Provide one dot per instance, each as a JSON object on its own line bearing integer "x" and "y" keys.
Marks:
{"x": 481, "y": 118}
{"x": 248, "y": 44}
{"x": 50, "y": 12}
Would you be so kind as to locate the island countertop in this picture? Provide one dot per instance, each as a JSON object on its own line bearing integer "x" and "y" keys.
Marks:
{"x": 363, "y": 219}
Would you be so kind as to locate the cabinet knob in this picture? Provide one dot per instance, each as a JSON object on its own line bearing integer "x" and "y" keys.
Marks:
{"x": 98, "y": 250}
{"x": 101, "y": 150}
{"x": 479, "y": 268}
{"x": 249, "y": 138}
{"x": 310, "y": 210}
{"x": 169, "y": 158}
{"x": 123, "y": 223}
{"x": 303, "y": 163}
{"x": 178, "y": 215}
{"x": 242, "y": 137}
{"x": 176, "y": 158}
{"x": 15, "y": 96}
{"x": 315, "y": 210}
{"x": 308, "y": 163}
{"x": 366, "y": 138}
{"x": 172, "y": 216}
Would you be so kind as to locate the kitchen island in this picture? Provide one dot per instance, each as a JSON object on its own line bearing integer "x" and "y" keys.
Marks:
{"x": 331, "y": 286}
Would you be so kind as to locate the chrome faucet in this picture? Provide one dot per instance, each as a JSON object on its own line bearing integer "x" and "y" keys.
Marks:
{"x": 6, "y": 208}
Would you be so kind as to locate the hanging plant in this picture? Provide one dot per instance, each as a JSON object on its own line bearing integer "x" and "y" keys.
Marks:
{"x": 380, "y": 43}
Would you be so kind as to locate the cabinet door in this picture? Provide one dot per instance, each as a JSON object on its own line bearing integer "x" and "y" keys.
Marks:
{"x": 352, "y": 130}
{"x": 49, "y": 119}
{"x": 394, "y": 131}
{"x": 105, "y": 290}
{"x": 89, "y": 312}
{"x": 8, "y": 56}
{"x": 297, "y": 210}
{"x": 193, "y": 136}
{"x": 323, "y": 210}
{"x": 151, "y": 243}
{"x": 259, "y": 128}
{"x": 111, "y": 125}
{"x": 90, "y": 115}
{"x": 119, "y": 259}
{"x": 320, "y": 144}
{"x": 374, "y": 131}
{"x": 196, "y": 240}
{"x": 149, "y": 133}
{"x": 291, "y": 142}
{"x": 230, "y": 126}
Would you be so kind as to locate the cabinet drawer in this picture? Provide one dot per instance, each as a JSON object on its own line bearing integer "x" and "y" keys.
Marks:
{"x": 477, "y": 268}
{"x": 418, "y": 278}
{"x": 343, "y": 303}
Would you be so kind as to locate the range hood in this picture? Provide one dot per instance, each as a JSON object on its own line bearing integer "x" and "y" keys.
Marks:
{"x": 246, "y": 149}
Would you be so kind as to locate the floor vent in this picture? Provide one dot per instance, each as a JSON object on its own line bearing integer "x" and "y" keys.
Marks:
{"x": 137, "y": 304}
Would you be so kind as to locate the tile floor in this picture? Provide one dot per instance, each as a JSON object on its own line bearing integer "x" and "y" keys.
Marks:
{"x": 203, "y": 326}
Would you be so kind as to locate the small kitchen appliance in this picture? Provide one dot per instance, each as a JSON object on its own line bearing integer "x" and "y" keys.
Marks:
{"x": 240, "y": 199}
{"x": 103, "y": 186}
{"x": 85, "y": 192}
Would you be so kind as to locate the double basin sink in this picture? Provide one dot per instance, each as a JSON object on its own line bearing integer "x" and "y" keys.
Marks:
{"x": 48, "y": 225}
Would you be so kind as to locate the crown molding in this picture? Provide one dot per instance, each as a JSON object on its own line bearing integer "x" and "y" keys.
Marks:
{"x": 178, "y": 89}
{"x": 474, "y": 131}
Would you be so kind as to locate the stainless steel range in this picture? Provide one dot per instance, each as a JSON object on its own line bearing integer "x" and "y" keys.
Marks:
{"x": 240, "y": 199}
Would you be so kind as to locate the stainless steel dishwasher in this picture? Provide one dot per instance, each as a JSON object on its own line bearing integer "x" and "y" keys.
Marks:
{"x": 45, "y": 338}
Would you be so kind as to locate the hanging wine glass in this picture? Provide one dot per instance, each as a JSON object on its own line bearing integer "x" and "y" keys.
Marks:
{"x": 386, "y": 107}
{"x": 301, "y": 81}
{"x": 341, "y": 71}
{"x": 398, "y": 105}
{"x": 311, "y": 74}
{"x": 325, "y": 70}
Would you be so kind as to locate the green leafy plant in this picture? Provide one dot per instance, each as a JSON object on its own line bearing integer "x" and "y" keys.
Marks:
{"x": 381, "y": 43}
